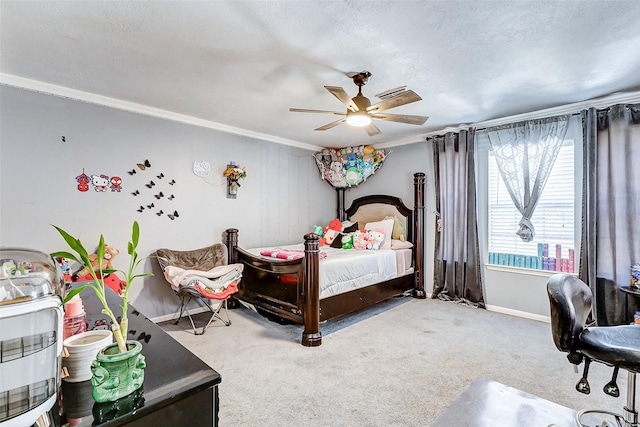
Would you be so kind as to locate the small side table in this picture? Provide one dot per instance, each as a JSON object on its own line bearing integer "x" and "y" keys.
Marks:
{"x": 633, "y": 291}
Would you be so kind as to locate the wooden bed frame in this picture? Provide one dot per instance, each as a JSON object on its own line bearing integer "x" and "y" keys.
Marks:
{"x": 289, "y": 289}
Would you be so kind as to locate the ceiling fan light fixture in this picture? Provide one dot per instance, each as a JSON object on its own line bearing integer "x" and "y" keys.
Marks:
{"x": 360, "y": 112}
{"x": 359, "y": 118}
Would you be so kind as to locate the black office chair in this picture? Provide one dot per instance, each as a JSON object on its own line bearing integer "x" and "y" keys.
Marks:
{"x": 617, "y": 346}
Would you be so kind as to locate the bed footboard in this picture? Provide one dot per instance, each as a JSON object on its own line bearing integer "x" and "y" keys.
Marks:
{"x": 286, "y": 289}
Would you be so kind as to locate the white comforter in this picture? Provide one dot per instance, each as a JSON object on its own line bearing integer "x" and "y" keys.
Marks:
{"x": 345, "y": 270}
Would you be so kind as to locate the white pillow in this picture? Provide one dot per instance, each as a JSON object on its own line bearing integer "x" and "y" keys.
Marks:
{"x": 401, "y": 244}
{"x": 385, "y": 226}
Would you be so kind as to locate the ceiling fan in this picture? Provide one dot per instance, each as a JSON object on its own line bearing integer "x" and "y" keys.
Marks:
{"x": 360, "y": 112}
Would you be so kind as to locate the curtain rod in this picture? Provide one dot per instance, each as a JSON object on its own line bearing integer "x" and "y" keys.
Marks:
{"x": 575, "y": 108}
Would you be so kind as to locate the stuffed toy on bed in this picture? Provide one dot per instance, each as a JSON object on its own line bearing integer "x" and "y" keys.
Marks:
{"x": 331, "y": 232}
{"x": 375, "y": 239}
{"x": 360, "y": 240}
{"x": 347, "y": 241}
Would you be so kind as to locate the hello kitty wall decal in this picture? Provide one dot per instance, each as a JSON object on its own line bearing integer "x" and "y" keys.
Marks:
{"x": 101, "y": 183}
{"x": 152, "y": 186}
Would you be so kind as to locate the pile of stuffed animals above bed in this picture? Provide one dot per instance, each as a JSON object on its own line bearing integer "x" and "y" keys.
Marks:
{"x": 385, "y": 234}
{"x": 349, "y": 166}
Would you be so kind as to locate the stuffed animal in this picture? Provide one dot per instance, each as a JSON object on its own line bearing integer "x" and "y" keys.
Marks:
{"x": 331, "y": 232}
{"x": 360, "y": 239}
{"x": 337, "y": 174}
{"x": 109, "y": 253}
{"x": 64, "y": 266}
{"x": 367, "y": 166}
{"x": 347, "y": 241}
{"x": 375, "y": 239}
{"x": 398, "y": 228}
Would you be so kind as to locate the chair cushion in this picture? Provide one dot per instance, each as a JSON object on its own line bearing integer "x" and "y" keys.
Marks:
{"x": 570, "y": 302}
{"x": 199, "y": 290}
{"x": 202, "y": 259}
{"x": 613, "y": 345}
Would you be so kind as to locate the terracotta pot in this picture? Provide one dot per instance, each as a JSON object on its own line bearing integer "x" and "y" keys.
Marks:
{"x": 116, "y": 375}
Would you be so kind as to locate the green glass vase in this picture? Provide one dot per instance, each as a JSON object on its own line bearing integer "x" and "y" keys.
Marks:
{"x": 115, "y": 375}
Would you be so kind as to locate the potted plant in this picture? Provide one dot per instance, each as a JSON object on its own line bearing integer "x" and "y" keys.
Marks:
{"x": 108, "y": 387}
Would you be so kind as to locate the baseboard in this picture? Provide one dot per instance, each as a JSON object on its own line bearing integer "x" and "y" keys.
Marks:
{"x": 518, "y": 313}
{"x": 174, "y": 316}
{"x": 489, "y": 307}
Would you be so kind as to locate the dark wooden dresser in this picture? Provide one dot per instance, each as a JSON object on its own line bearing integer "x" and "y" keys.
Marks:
{"x": 179, "y": 389}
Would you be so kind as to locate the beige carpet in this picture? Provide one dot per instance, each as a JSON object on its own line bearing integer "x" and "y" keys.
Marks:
{"x": 400, "y": 363}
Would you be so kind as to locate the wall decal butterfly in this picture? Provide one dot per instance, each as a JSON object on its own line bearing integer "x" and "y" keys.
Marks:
{"x": 173, "y": 181}
{"x": 144, "y": 165}
{"x": 150, "y": 184}
{"x": 160, "y": 176}
{"x": 150, "y": 206}
{"x": 171, "y": 197}
{"x": 135, "y": 193}
{"x": 131, "y": 172}
{"x": 159, "y": 196}
{"x": 141, "y": 209}
{"x": 174, "y": 215}
{"x": 159, "y": 213}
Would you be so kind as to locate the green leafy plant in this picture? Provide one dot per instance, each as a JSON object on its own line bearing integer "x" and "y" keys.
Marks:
{"x": 81, "y": 256}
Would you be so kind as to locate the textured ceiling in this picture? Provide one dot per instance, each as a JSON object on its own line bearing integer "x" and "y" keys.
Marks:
{"x": 240, "y": 65}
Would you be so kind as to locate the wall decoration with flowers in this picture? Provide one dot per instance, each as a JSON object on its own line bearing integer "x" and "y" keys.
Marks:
{"x": 234, "y": 173}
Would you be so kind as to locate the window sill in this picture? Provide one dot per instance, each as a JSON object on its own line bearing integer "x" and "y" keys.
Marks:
{"x": 527, "y": 271}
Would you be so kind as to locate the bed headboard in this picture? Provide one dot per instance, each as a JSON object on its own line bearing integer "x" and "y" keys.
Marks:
{"x": 374, "y": 208}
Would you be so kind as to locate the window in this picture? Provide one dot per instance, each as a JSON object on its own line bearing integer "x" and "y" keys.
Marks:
{"x": 553, "y": 247}
{"x": 556, "y": 219}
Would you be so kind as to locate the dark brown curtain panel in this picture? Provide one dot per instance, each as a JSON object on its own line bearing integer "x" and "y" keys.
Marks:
{"x": 611, "y": 209}
{"x": 457, "y": 260}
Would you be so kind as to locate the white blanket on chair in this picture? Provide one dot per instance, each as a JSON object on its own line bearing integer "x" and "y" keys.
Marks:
{"x": 180, "y": 277}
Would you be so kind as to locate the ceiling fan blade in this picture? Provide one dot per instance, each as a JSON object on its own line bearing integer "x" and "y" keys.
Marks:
{"x": 331, "y": 125}
{"x": 339, "y": 93}
{"x": 372, "y": 129}
{"x": 401, "y": 118}
{"x": 304, "y": 110}
{"x": 406, "y": 97}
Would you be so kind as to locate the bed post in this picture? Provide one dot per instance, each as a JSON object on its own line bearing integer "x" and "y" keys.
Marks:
{"x": 231, "y": 241}
{"x": 342, "y": 215}
{"x": 311, "y": 336}
{"x": 418, "y": 236}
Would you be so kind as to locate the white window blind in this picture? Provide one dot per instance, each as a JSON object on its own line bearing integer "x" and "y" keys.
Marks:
{"x": 553, "y": 218}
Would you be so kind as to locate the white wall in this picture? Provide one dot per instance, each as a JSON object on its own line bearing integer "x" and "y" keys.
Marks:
{"x": 395, "y": 177}
{"x": 281, "y": 199}
{"x": 278, "y": 202}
